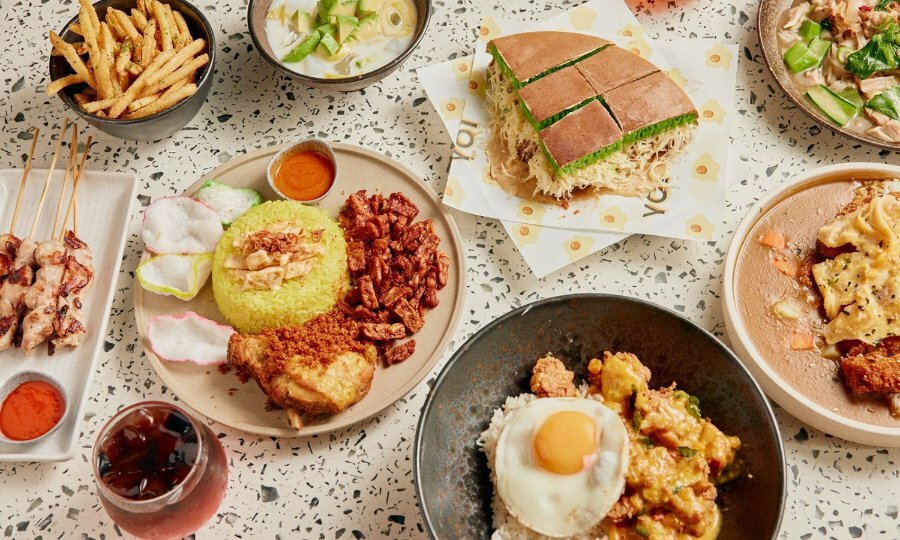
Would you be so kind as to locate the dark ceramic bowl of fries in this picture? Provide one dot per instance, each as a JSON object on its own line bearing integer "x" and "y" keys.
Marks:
{"x": 256, "y": 18}
{"x": 152, "y": 66}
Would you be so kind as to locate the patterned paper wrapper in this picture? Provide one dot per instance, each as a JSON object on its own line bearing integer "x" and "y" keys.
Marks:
{"x": 548, "y": 236}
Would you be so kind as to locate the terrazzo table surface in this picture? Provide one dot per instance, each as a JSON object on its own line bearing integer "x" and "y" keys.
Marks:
{"x": 357, "y": 483}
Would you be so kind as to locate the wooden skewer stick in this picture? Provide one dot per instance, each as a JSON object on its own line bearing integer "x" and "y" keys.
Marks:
{"x": 37, "y": 215}
{"x": 34, "y": 139}
{"x": 70, "y": 169}
{"x": 74, "y": 196}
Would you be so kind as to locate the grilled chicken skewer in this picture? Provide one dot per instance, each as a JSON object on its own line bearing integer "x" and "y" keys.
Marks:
{"x": 9, "y": 243}
{"x": 13, "y": 290}
{"x": 50, "y": 255}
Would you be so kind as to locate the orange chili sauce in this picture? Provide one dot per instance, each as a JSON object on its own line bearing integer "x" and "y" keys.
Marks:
{"x": 31, "y": 410}
{"x": 304, "y": 175}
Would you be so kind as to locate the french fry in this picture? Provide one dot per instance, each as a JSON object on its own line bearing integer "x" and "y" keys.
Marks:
{"x": 144, "y": 101}
{"x": 134, "y": 69}
{"x": 73, "y": 59}
{"x": 182, "y": 56}
{"x": 75, "y": 28}
{"x": 124, "y": 57}
{"x": 81, "y": 98}
{"x": 177, "y": 86}
{"x": 163, "y": 104}
{"x": 127, "y": 26}
{"x": 95, "y": 106}
{"x": 114, "y": 27}
{"x": 162, "y": 19}
{"x": 57, "y": 85}
{"x": 183, "y": 29}
{"x": 149, "y": 48}
{"x": 109, "y": 60}
{"x": 181, "y": 73}
{"x": 95, "y": 20}
{"x": 138, "y": 19}
{"x": 142, "y": 7}
{"x": 177, "y": 40}
{"x": 124, "y": 80}
{"x": 80, "y": 48}
{"x": 138, "y": 85}
{"x": 98, "y": 59}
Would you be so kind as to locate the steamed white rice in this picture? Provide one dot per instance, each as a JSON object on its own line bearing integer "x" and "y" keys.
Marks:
{"x": 506, "y": 526}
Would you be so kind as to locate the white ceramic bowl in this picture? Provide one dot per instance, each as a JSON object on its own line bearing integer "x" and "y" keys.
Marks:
{"x": 814, "y": 413}
{"x": 21, "y": 378}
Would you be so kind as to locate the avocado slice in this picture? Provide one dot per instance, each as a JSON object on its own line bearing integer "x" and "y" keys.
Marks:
{"x": 344, "y": 7}
{"x": 305, "y": 47}
{"x": 330, "y": 44}
{"x": 369, "y": 6}
{"x": 301, "y": 22}
{"x": 346, "y": 24}
{"x": 368, "y": 27}
{"x": 325, "y": 8}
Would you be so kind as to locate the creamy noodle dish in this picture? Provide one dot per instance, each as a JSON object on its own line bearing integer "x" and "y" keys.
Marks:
{"x": 843, "y": 55}
{"x": 333, "y": 39}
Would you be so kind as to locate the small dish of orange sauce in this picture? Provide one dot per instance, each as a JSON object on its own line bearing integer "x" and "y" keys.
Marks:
{"x": 32, "y": 406}
{"x": 304, "y": 172}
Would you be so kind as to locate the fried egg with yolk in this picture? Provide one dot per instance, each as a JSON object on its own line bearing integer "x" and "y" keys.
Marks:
{"x": 560, "y": 464}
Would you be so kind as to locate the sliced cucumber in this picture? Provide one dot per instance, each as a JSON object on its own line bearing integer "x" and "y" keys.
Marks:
{"x": 851, "y": 96}
{"x": 331, "y": 45}
{"x": 305, "y": 47}
{"x": 810, "y": 30}
{"x": 834, "y": 106}
{"x": 820, "y": 48}
{"x": 801, "y": 56}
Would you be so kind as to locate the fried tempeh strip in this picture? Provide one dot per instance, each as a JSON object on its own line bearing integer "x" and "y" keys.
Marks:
{"x": 162, "y": 19}
{"x": 72, "y": 57}
{"x": 164, "y": 103}
{"x": 182, "y": 56}
{"x": 134, "y": 91}
{"x": 182, "y": 25}
{"x": 63, "y": 82}
{"x": 181, "y": 73}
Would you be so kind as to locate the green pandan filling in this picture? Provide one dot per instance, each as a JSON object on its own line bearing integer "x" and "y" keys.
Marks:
{"x": 504, "y": 67}
{"x": 655, "y": 129}
{"x": 556, "y": 117}
{"x": 597, "y": 155}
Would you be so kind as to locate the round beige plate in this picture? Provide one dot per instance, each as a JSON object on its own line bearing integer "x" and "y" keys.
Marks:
{"x": 224, "y": 398}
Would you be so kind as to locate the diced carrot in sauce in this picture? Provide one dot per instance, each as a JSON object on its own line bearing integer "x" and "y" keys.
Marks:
{"x": 785, "y": 266}
{"x": 774, "y": 240}
{"x": 801, "y": 342}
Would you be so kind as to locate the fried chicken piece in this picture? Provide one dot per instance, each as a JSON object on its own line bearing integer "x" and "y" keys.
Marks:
{"x": 550, "y": 378}
{"x": 867, "y": 374}
{"x": 311, "y": 370}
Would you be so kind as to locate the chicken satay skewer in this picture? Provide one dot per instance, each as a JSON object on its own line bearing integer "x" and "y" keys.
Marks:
{"x": 71, "y": 169}
{"x": 68, "y": 324}
{"x": 17, "y": 285}
{"x": 9, "y": 242}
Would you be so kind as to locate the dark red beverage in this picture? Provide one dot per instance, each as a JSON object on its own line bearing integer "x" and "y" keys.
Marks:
{"x": 160, "y": 473}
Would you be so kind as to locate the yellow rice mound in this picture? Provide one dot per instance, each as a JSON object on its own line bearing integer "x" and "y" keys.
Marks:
{"x": 297, "y": 300}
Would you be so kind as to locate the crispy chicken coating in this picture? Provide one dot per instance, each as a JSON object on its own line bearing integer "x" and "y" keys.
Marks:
{"x": 550, "y": 378}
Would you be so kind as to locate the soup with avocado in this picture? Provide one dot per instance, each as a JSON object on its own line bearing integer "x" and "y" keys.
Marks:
{"x": 333, "y": 39}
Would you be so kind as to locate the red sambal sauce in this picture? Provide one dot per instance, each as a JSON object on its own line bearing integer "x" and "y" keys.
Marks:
{"x": 31, "y": 410}
{"x": 304, "y": 175}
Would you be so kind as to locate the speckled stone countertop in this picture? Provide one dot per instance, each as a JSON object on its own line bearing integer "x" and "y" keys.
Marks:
{"x": 357, "y": 483}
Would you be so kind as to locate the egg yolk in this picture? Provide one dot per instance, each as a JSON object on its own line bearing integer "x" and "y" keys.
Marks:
{"x": 564, "y": 440}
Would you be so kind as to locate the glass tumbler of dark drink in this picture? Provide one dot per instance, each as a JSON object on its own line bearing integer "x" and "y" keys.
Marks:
{"x": 160, "y": 473}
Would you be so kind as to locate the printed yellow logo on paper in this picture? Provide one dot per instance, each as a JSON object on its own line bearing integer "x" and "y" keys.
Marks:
{"x": 452, "y": 109}
{"x": 638, "y": 47}
{"x": 524, "y": 235}
{"x": 454, "y": 192}
{"x": 705, "y": 169}
{"x": 677, "y": 77}
{"x": 700, "y": 227}
{"x": 711, "y": 111}
{"x": 531, "y": 211}
{"x": 478, "y": 83}
{"x": 489, "y": 29}
{"x": 462, "y": 69}
{"x": 578, "y": 246}
{"x": 719, "y": 57}
{"x": 613, "y": 218}
{"x": 630, "y": 31}
{"x": 582, "y": 18}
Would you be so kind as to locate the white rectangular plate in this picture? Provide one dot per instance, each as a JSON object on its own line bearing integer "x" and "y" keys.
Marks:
{"x": 105, "y": 202}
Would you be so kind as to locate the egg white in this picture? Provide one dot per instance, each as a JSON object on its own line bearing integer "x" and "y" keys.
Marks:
{"x": 560, "y": 505}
